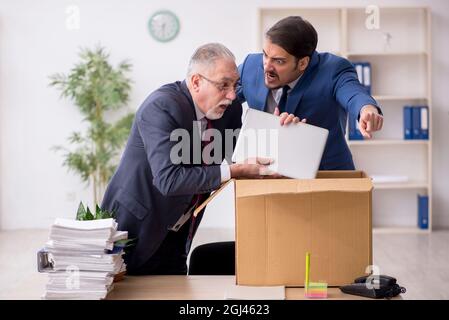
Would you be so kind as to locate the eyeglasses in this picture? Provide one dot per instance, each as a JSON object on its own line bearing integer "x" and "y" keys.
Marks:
{"x": 222, "y": 86}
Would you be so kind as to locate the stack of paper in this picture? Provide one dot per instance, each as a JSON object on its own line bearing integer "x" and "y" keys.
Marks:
{"x": 388, "y": 178}
{"x": 84, "y": 260}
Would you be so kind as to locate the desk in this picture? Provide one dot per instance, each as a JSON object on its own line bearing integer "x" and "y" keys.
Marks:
{"x": 194, "y": 288}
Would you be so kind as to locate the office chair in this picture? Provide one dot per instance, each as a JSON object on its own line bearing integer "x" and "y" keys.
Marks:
{"x": 216, "y": 258}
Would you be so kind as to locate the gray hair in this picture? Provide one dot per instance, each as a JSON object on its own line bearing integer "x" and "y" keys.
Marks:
{"x": 206, "y": 55}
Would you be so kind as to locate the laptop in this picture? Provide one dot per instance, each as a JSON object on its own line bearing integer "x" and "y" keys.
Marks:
{"x": 296, "y": 148}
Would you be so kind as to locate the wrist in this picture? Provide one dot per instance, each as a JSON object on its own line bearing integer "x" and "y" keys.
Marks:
{"x": 369, "y": 108}
{"x": 235, "y": 170}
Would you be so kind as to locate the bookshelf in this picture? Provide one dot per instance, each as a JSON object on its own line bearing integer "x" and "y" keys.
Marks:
{"x": 400, "y": 75}
{"x": 379, "y": 142}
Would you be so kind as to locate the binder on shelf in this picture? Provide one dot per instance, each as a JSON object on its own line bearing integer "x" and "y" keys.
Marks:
{"x": 424, "y": 117}
{"x": 423, "y": 211}
{"x": 359, "y": 70}
{"x": 420, "y": 122}
{"x": 367, "y": 76}
{"x": 408, "y": 134}
{"x": 416, "y": 122}
{"x": 363, "y": 70}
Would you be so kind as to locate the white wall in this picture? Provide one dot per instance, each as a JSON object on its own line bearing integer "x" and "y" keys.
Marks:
{"x": 34, "y": 43}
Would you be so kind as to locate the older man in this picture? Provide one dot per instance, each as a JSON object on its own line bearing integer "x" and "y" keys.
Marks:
{"x": 152, "y": 192}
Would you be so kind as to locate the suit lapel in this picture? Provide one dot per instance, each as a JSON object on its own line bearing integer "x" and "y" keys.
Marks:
{"x": 186, "y": 92}
{"x": 191, "y": 124}
{"x": 295, "y": 96}
{"x": 262, "y": 91}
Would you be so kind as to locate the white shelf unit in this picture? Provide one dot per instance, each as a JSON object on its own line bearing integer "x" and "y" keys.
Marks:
{"x": 400, "y": 75}
{"x": 383, "y": 142}
{"x": 415, "y": 99}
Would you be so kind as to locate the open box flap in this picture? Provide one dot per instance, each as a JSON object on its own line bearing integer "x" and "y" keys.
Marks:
{"x": 250, "y": 188}
{"x": 341, "y": 181}
{"x": 211, "y": 197}
{"x": 340, "y": 174}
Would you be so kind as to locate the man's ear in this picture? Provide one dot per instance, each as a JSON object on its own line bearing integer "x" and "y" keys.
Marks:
{"x": 303, "y": 63}
{"x": 195, "y": 82}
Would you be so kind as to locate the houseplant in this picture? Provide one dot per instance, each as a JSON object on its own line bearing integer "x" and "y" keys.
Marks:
{"x": 97, "y": 89}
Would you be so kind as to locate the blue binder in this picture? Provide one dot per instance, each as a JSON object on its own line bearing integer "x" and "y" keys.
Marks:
{"x": 363, "y": 70}
{"x": 416, "y": 122}
{"x": 367, "y": 76}
{"x": 424, "y": 117}
{"x": 408, "y": 134}
{"x": 359, "y": 69}
{"x": 423, "y": 211}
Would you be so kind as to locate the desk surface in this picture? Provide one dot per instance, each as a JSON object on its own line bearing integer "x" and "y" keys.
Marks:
{"x": 193, "y": 288}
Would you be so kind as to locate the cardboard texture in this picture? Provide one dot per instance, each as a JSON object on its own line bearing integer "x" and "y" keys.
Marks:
{"x": 279, "y": 220}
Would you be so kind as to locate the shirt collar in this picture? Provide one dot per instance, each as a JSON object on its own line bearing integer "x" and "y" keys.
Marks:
{"x": 199, "y": 114}
{"x": 277, "y": 92}
{"x": 291, "y": 84}
{"x": 294, "y": 82}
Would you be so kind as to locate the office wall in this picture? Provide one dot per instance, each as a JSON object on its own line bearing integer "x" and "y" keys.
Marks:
{"x": 34, "y": 43}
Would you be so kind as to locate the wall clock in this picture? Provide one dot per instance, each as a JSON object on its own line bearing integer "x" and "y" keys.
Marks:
{"x": 164, "y": 26}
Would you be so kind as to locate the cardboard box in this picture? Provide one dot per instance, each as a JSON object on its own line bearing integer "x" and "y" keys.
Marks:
{"x": 279, "y": 220}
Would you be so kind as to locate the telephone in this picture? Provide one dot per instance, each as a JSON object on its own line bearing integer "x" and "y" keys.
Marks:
{"x": 374, "y": 286}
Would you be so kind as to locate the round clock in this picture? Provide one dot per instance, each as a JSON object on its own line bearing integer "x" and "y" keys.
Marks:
{"x": 164, "y": 26}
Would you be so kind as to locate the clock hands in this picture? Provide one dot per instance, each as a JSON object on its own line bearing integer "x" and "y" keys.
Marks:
{"x": 164, "y": 26}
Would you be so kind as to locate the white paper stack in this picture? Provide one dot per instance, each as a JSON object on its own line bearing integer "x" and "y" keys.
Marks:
{"x": 83, "y": 263}
{"x": 388, "y": 178}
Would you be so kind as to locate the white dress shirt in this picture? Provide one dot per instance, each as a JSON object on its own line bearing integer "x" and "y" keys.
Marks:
{"x": 275, "y": 96}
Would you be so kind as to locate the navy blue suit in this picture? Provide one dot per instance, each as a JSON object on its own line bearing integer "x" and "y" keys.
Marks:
{"x": 325, "y": 93}
{"x": 148, "y": 192}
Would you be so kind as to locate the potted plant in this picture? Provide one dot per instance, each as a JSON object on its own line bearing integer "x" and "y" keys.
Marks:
{"x": 97, "y": 89}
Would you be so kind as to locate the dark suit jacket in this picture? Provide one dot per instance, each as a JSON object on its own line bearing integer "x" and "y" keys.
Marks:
{"x": 148, "y": 192}
{"x": 325, "y": 93}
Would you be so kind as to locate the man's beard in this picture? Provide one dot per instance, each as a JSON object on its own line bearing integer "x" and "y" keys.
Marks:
{"x": 216, "y": 112}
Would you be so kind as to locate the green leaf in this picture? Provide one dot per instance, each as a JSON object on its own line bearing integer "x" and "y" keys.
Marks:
{"x": 126, "y": 243}
{"x": 113, "y": 215}
{"x": 98, "y": 212}
{"x": 89, "y": 215}
{"x": 81, "y": 213}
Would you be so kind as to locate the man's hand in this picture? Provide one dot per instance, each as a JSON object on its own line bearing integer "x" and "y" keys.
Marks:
{"x": 370, "y": 120}
{"x": 254, "y": 168}
{"x": 287, "y": 118}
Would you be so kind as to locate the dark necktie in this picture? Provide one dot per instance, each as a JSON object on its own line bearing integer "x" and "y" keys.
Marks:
{"x": 198, "y": 198}
{"x": 283, "y": 101}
